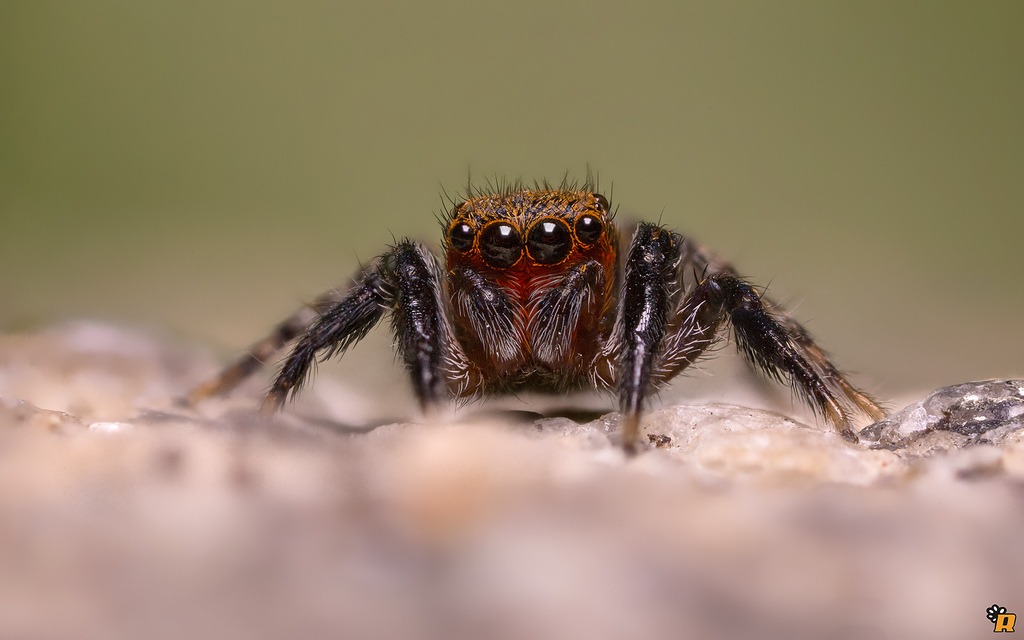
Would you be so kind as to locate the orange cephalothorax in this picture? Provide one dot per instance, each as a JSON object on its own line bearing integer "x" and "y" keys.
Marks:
{"x": 513, "y": 261}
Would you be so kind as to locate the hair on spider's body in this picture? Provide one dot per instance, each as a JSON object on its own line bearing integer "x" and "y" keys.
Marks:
{"x": 533, "y": 293}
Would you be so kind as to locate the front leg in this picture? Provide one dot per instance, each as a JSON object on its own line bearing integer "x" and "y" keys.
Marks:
{"x": 334, "y": 331}
{"x": 782, "y": 349}
{"x": 644, "y": 306}
{"x": 405, "y": 281}
{"x": 657, "y": 339}
{"x": 745, "y": 317}
{"x": 261, "y": 352}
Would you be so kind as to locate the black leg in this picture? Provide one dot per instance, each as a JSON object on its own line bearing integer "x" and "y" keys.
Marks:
{"x": 825, "y": 390}
{"x": 835, "y": 380}
{"x": 648, "y": 278}
{"x": 404, "y": 281}
{"x": 783, "y": 350}
{"x": 335, "y": 330}
{"x": 261, "y": 352}
{"x": 423, "y": 336}
{"x": 660, "y": 331}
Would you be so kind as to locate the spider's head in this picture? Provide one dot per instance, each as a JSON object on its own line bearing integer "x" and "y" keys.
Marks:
{"x": 529, "y": 229}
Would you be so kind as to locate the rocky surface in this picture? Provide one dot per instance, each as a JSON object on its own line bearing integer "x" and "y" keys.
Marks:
{"x": 124, "y": 514}
{"x": 989, "y": 412}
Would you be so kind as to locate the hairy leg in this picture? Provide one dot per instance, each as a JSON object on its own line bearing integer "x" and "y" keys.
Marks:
{"x": 699, "y": 259}
{"x": 404, "y": 281}
{"x": 421, "y": 330}
{"x": 660, "y": 330}
{"x": 333, "y": 332}
{"x": 644, "y": 306}
{"x": 261, "y": 352}
{"x": 782, "y": 349}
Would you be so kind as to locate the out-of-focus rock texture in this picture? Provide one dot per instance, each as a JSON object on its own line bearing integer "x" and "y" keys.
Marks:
{"x": 126, "y": 515}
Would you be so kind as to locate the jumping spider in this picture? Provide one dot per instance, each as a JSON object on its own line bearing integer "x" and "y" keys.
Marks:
{"x": 535, "y": 295}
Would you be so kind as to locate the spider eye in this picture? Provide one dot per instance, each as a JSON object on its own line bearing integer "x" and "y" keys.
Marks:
{"x": 549, "y": 241}
{"x": 461, "y": 237}
{"x": 602, "y": 202}
{"x": 501, "y": 245}
{"x": 589, "y": 229}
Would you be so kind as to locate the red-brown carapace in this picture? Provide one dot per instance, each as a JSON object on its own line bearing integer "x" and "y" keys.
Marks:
{"x": 534, "y": 293}
{"x": 523, "y": 245}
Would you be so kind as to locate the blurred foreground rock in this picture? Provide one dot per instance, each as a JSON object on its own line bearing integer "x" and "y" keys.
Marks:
{"x": 126, "y": 515}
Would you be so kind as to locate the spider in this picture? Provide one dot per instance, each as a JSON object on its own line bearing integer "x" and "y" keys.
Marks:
{"x": 535, "y": 295}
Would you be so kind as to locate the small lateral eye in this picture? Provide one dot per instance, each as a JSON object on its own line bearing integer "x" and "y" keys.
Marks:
{"x": 588, "y": 229}
{"x": 460, "y": 237}
{"x": 501, "y": 245}
{"x": 602, "y": 202}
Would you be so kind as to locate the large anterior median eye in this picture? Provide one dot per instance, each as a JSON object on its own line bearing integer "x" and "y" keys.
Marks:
{"x": 588, "y": 229}
{"x": 501, "y": 245}
{"x": 460, "y": 237}
{"x": 549, "y": 241}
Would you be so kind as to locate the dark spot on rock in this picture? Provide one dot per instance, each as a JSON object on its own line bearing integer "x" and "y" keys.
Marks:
{"x": 170, "y": 461}
{"x": 977, "y": 416}
{"x": 658, "y": 440}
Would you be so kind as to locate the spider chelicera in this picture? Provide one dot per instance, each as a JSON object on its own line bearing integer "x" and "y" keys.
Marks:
{"x": 535, "y": 295}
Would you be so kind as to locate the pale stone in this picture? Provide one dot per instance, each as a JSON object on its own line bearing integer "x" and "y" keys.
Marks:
{"x": 735, "y": 442}
{"x": 110, "y": 427}
{"x": 730, "y": 522}
{"x": 21, "y": 413}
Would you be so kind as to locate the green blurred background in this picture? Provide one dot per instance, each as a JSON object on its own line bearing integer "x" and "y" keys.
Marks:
{"x": 204, "y": 166}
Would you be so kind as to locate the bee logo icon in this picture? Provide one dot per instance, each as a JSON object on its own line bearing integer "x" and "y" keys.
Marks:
{"x": 1001, "y": 620}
